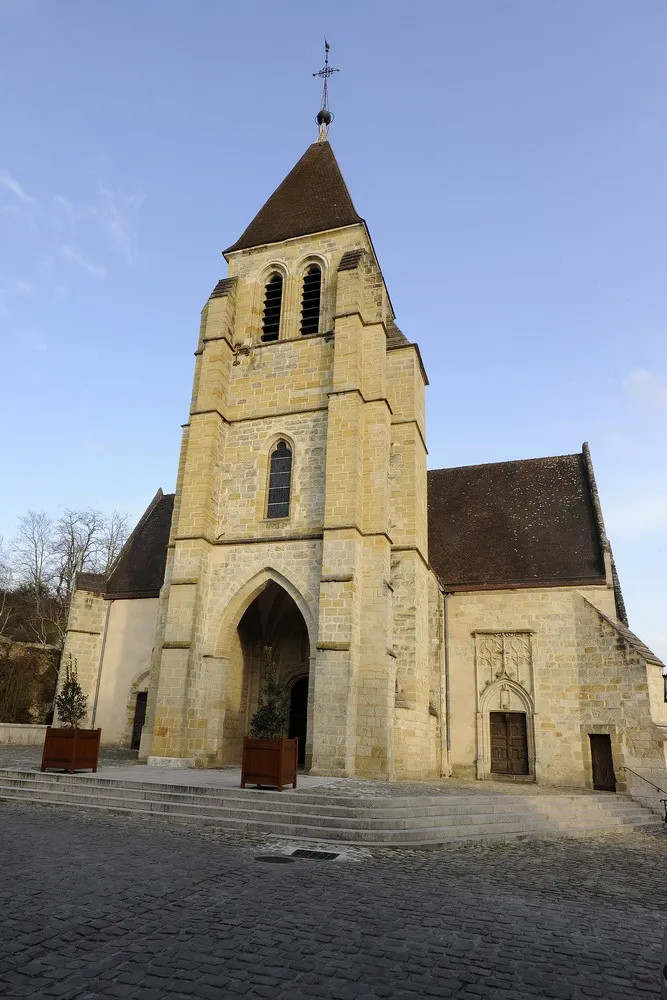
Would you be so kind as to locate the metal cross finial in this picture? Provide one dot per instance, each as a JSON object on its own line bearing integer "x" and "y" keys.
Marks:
{"x": 324, "y": 117}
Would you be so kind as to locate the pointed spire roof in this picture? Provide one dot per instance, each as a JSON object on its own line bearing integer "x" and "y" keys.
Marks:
{"x": 312, "y": 198}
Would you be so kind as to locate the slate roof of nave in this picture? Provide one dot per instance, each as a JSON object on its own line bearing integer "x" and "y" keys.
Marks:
{"x": 312, "y": 199}
{"x": 522, "y": 523}
{"x": 139, "y": 569}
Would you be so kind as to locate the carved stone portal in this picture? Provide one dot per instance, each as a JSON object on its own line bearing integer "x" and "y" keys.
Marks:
{"x": 505, "y": 683}
{"x": 501, "y": 655}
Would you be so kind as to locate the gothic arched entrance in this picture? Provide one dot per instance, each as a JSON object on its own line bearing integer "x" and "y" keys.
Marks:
{"x": 271, "y": 619}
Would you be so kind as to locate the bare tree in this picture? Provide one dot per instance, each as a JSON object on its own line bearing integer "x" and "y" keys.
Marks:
{"x": 32, "y": 559}
{"x": 32, "y": 553}
{"x": 114, "y": 536}
{"x": 6, "y": 604}
{"x": 77, "y": 543}
{"x": 47, "y": 555}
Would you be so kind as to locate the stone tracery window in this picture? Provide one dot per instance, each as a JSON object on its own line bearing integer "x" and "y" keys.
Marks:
{"x": 501, "y": 655}
{"x": 273, "y": 300}
{"x": 280, "y": 481}
{"x": 310, "y": 300}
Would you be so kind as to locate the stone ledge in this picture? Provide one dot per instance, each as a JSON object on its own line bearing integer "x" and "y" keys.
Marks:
{"x": 21, "y": 734}
{"x": 170, "y": 762}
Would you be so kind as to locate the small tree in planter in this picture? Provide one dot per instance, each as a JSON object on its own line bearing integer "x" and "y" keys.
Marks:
{"x": 269, "y": 758}
{"x": 71, "y": 703}
{"x": 68, "y": 747}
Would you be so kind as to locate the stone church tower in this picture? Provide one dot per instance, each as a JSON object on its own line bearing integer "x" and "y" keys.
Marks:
{"x": 300, "y": 517}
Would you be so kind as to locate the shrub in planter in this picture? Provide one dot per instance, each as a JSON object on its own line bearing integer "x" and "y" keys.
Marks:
{"x": 69, "y": 748}
{"x": 269, "y": 758}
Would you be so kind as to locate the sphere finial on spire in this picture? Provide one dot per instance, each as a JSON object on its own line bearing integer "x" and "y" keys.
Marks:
{"x": 324, "y": 116}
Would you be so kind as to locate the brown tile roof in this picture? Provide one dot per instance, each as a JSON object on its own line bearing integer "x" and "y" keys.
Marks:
{"x": 96, "y": 583}
{"x": 223, "y": 287}
{"x": 312, "y": 198}
{"x": 139, "y": 569}
{"x": 395, "y": 337}
{"x": 519, "y": 523}
{"x": 351, "y": 259}
{"x": 629, "y": 637}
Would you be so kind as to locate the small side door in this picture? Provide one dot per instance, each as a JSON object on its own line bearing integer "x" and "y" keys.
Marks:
{"x": 139, "y": 719}
{"x": 604, "y": 779}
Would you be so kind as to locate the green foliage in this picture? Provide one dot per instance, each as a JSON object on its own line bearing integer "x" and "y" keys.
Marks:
{"x": 268, "y": 722}
{"x": 71, "y": 702}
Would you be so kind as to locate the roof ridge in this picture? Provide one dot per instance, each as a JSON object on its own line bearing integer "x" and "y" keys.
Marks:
{"x": 627, "y": 634}
{"x": 135, "y": 531}
{"x": 509, "y": 461}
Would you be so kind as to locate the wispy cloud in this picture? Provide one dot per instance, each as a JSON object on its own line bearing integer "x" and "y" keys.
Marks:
{"x": 28, "y": 339}
{"x": 97, "y": 270}
{"x": 648, "y": 387}
{"x": 25, "y": 214}
{"x": 11, "y": 290}
{"x": 63, "y": 205}
{"x": 17, "y": 286}
{"x": 118, "y": 214}
{"x": 10, "y": 182}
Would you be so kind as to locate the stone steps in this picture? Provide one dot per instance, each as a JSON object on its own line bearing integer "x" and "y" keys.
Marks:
{"x": 352, "y": 804}
{"x": 381, "y": 820}
{"x": 315, "y": 805}
{"x": 326, "y": 818}
{"x": 322, "y": 804}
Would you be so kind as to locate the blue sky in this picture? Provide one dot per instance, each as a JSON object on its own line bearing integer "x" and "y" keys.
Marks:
{"x": 509, "y": 156}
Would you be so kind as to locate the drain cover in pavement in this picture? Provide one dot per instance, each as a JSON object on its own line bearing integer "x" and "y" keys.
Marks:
{"x": 274, "y": 859}
{"x": 314, "y": 855}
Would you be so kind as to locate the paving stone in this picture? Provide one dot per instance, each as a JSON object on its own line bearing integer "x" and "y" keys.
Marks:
{"x": 108, "y": 906}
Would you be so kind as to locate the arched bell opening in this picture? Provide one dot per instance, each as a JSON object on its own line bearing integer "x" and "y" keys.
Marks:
{"x": 272, "y": 619}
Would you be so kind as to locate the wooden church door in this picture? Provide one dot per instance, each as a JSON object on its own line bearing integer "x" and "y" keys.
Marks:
{"x": 604, "y": 779}
{"x": 509, "y": 743}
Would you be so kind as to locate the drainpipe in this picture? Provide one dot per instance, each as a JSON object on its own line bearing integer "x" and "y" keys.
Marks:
{"x": 445, "y": 709}
{"x": 99, "y": 665}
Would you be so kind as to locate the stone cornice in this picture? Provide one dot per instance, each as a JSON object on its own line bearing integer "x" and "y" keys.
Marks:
{"x": 397, "y": 423}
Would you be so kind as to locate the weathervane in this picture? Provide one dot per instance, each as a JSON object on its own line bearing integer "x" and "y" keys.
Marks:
{"x": 324, "y": 116}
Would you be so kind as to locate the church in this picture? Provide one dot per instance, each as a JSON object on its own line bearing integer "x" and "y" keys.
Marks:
{"x": 464, "y": 622}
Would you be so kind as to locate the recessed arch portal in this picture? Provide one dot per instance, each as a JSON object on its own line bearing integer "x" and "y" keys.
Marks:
{"x": 269, "y": 617}
{"x": 508, "y": 698}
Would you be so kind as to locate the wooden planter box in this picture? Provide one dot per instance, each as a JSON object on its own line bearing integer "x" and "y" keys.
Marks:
{"x": 269, "y": 762}
{"x": 71, "y": 749}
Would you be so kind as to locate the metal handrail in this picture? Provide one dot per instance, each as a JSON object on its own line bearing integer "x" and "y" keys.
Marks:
{"x": 651, "y": 783}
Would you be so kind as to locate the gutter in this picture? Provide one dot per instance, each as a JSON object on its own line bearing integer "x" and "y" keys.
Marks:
{"x": 99, "y": 665}
{"x": 445, "y": 709}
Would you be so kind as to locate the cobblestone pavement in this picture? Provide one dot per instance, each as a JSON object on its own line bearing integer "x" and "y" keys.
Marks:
{"x": 101, "y": 907}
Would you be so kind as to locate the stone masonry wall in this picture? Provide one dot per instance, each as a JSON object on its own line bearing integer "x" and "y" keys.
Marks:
{"x": 83, "y": 641}
{"x": 585, "y": 680}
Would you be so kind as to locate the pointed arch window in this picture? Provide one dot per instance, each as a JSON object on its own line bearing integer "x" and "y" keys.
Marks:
{"x": 310, "y": 300}
{"x": 273, "y": 300}
{"x": 280, "y": 481}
